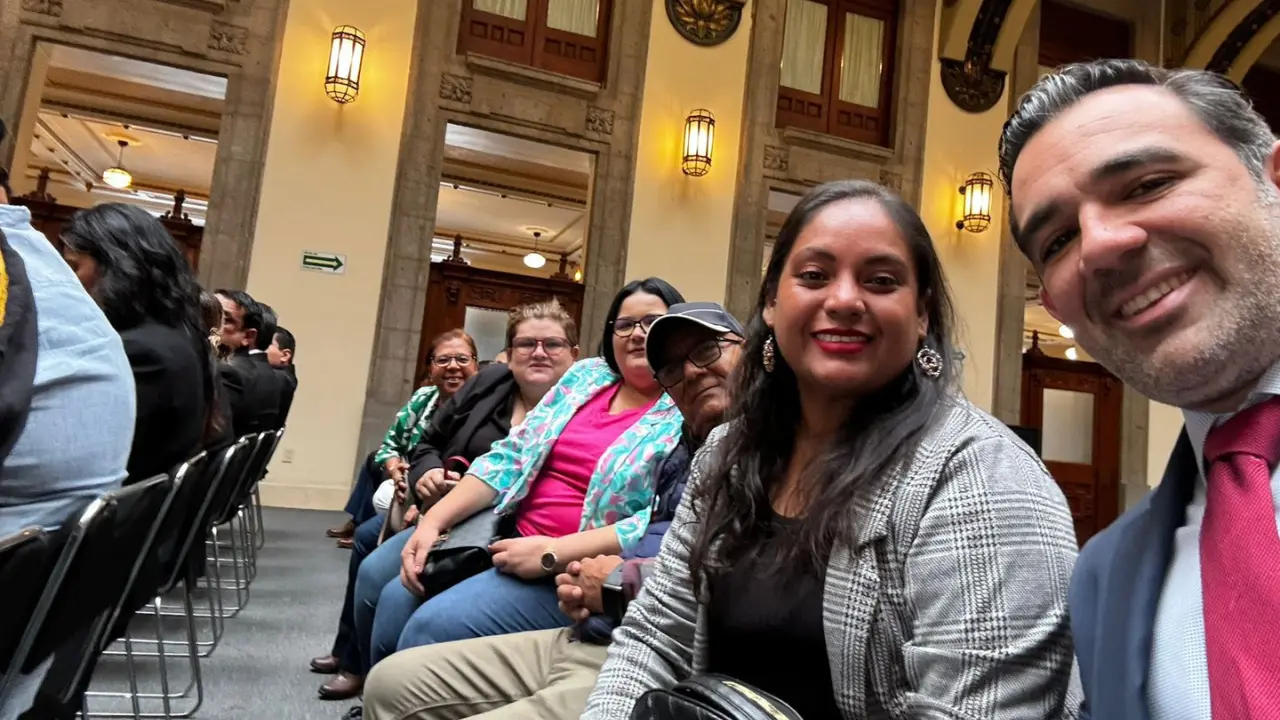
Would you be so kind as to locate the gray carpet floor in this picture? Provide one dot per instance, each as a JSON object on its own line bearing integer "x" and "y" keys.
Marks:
{"x": 260, "y": 668}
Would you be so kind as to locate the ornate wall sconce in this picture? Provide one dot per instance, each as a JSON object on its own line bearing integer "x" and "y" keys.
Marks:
{"x": 977, "y": 203}
{"x": 346, "y": 58}
{"x": 699, "y": 141}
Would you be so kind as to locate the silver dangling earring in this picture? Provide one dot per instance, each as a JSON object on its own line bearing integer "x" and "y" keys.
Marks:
{"x": 768, "y": 353}
{"x": 930, "y": 362}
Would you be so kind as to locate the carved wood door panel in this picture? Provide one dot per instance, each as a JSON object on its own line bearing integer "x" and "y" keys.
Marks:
{"x": 452, "y": 288}
{"x": 1077, "y": 407}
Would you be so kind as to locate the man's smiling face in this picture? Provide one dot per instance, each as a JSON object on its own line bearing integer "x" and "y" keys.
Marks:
{"x": 1154, "y": 243}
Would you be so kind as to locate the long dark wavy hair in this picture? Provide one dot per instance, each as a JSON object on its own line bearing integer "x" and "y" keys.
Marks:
{"x": 144, "y": 277}
{"x": 733, "y": 505}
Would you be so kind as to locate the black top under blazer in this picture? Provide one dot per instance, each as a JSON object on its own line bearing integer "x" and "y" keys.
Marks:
{"x": 169, "y": 375}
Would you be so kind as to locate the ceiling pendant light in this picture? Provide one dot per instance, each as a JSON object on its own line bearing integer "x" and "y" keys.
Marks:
{"x": 535, "y": 260}
{"x": 116, "y": 176}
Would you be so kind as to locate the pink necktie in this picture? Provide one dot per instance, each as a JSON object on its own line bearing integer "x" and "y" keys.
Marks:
{"x": 1240, "y": 566}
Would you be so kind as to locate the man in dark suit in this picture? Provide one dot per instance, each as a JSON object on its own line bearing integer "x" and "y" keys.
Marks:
{"x": 280, "y": 355}
{"x": 251, "y": 385}
{"x": 1148, "y": 201}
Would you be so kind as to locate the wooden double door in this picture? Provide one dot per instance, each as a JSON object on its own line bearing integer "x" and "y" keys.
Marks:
{"x": 478, "y": 300}
{"x": 1077, "y": 408}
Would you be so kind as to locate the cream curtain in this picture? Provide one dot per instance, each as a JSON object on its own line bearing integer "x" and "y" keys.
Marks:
{"x": 575, "y": 16}
{"x": 514, "y": 9}
{"x": 804, "y": 39}
{"x": 862, "y": 61}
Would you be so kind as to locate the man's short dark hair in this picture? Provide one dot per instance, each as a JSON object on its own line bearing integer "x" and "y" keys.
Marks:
{"x": 1215, "y": 100}
{"x": 285, "y": 340}
{"x": 250, "y": 308}
{"x": 268, "y": 332}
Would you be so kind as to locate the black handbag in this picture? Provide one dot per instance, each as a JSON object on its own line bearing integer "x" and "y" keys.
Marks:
{"x": 464, "y": 552}
{"x": 711, "y": 697}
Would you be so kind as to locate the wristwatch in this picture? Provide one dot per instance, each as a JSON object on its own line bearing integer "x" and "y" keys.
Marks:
{"x": 549, "y": 561}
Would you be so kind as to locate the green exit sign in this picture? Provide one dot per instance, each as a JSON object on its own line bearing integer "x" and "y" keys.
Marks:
{"x": 324, "y": 262}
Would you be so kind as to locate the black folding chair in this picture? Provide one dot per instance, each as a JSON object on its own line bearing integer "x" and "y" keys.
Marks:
{"x": 108, "y": 543}
{"x": 26, "y": 560}
{"x": 187, "y": 525}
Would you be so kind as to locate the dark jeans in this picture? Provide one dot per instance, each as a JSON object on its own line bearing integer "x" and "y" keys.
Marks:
{"x": 344, "y": 645}
{"x": 360, "y": 503}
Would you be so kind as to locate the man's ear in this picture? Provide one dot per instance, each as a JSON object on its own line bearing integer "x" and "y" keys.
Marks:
{"x": 287, "y": 355}
{"x": 250, "y": 338}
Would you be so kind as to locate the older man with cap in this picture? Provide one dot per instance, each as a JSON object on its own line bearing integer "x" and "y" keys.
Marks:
{"x": 548, "y": 674}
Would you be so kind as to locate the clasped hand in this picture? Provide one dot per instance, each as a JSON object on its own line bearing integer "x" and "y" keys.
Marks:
{"x": 521, "y": 557}
{"x": 580, "y": 588}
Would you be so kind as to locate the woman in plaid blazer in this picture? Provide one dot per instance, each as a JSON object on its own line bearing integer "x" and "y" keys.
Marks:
{"x": 860, "y": 541}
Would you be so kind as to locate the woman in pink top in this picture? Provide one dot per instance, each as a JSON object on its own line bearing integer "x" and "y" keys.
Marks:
{"x": 577, "y": 477}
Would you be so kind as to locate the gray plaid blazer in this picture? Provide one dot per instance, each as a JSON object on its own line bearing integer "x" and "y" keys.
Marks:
{"x": 952, "y": 604}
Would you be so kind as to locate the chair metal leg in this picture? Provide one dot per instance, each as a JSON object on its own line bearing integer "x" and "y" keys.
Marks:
{"x": 260, "y": 528}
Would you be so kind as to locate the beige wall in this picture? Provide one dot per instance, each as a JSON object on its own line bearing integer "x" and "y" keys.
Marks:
{"x": 18, "y": 180}
{"x": 956, "y": 144}
{"x": 680, "y": 225}
{"x": 328, "y": 187}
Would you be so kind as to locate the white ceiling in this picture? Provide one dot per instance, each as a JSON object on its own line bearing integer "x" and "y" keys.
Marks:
{"x": 475, "y": 212}
{"x": 138, "y": 71}
{"x": 85, "y": 147}
{"x": 514, "y": 148}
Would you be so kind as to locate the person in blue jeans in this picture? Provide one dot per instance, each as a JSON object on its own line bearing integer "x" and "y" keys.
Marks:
{"x": 578, "y": 478}
{"x": 543, "y": 339}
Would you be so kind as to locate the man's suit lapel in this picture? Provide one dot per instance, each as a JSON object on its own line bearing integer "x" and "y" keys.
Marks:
{"x": 1132, "y": 590}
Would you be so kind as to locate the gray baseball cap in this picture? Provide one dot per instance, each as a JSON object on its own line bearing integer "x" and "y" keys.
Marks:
{"x": 709, "y": 315}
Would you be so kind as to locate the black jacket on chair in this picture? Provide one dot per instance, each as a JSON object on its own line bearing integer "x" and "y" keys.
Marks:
{"x": 467, "y": 424}
{"x": 168, "y": 372}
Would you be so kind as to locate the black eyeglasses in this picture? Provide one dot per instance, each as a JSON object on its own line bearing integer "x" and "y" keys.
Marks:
{"x": 444, "y": 360}
{"x": 527, "y": 345}
{"x": 623, "y": 327}
{"x": 672, "y": 374}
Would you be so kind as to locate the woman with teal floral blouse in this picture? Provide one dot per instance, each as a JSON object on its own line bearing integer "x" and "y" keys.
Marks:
{"x": 577, "y": 478}
{"x": 457, "y": 351}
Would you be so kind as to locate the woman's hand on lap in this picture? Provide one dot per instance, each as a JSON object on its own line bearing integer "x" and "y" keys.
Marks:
{"x": 414, "y": 557}
{"x": 521, "y": 557}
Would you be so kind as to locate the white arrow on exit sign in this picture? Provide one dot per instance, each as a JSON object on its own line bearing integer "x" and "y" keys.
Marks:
{"x": 324, "y": 262}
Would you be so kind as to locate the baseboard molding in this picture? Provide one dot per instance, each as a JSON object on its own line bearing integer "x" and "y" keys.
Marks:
{"x": 303, "y": 497}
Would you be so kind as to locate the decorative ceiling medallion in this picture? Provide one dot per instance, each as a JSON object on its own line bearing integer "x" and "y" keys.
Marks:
{"x": 705, "y": 22}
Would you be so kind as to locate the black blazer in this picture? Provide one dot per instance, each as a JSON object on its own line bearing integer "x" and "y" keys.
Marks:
{"x": 254, "y": 392}
{"x": 168, "y": 373}
{"x": 467, "y": 424}
{"x": 288, "y": 386}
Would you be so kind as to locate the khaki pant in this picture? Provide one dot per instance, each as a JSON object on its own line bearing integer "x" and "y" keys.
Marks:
{"x": 528, "y": 675}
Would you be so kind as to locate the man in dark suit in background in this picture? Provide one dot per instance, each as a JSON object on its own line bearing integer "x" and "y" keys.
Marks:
{"x": 1148, "y": 200}
{"x": 280, "y": 354}
{"x": 251, "y": 384}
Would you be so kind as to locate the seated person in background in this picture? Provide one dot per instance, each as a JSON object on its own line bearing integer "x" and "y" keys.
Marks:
{"x": 66, "y": 397}
{"x": 484, "y": 411}
{"x": 861, "y": 541}
{"x": 271, "y": 382}
{"x": 578, "y": 477}
{"x": 211, "y": 319}
{"x": 547, "y": 674}
{"x": 133, "y": 269}
{"x": 280, "y": 355}
{"x": 253, "y": 390}
{"x": 452, "y": 362}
